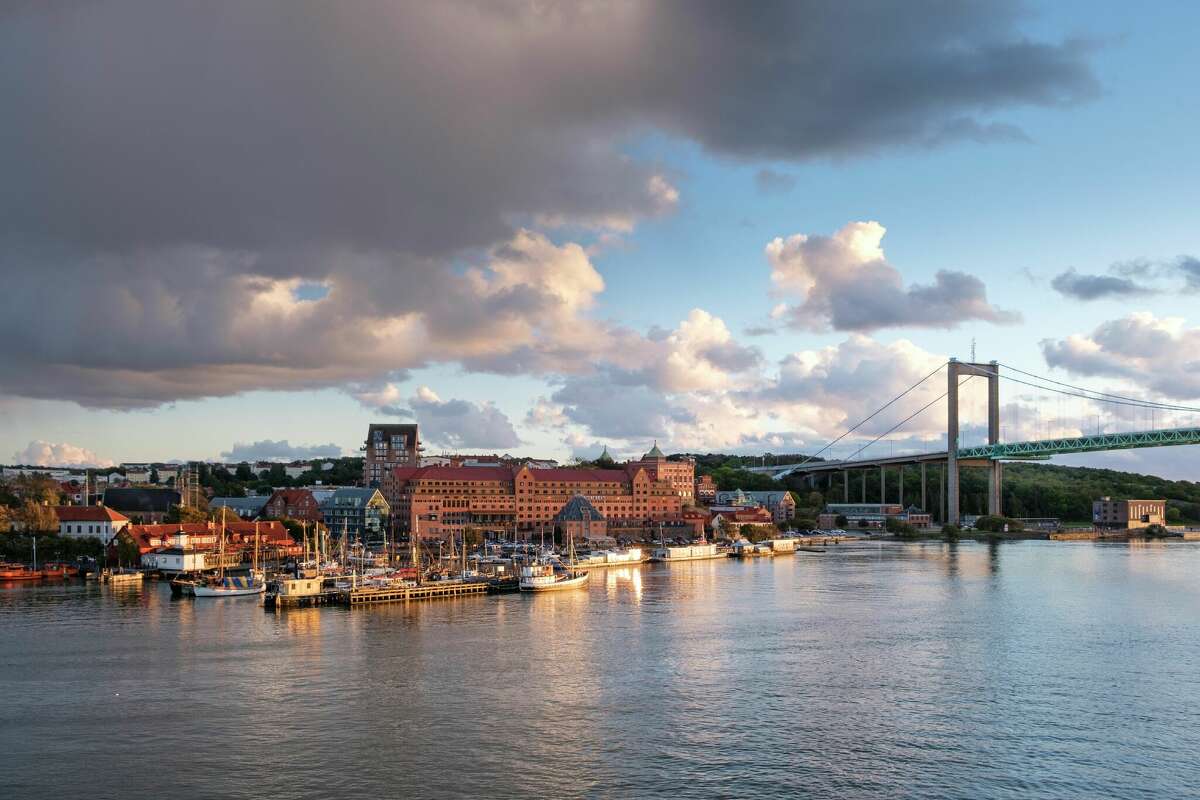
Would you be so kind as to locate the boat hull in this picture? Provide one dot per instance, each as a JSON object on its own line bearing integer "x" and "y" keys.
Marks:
{"x": 209, "y": 591}
{"x": 557, "y": 586}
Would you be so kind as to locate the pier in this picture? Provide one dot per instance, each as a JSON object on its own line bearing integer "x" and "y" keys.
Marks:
{"x": 403, "y": 594}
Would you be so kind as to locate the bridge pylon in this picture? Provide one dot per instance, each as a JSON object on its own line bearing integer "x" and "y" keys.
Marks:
{"x": 954, "y": 370}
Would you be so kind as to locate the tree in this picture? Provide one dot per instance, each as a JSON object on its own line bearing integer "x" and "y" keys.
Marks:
{"x": 1174, "y": 514}
{"x": 154, "y": 475}
{"x": 243, "y": 472}
{"x": 127, "y": 549}
{"x": 951, "y": 532}
{"x": 37, "y": 518}
{"x": 6, "y": 514}
{"x": 899, "y": 527}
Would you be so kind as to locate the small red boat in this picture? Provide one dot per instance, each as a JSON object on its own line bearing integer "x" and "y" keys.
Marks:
{"x": 19, "y": 572}
{"x": 57, "y": 571}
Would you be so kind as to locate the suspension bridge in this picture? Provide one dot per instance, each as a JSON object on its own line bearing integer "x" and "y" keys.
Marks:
{"x": 993, "y": 453}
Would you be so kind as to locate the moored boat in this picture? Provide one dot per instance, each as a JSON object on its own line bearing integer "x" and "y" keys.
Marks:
{"x": 232, "y": 586}
{"x": 19, "y": 572}
{"x": 551, "y": 576}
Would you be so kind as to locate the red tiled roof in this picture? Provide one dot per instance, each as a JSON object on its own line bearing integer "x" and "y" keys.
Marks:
{"x": 572, "y": 475}
{"x": 439, "y": 473}
{"x": 89, "y": 514}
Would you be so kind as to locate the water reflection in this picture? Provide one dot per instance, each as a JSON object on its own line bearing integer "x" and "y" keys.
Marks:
{"x": 1013, "y": 669}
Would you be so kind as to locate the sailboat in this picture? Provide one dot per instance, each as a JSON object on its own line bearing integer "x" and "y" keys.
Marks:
{"x": 548, "y": 574}
{"x": 233, "y": 586}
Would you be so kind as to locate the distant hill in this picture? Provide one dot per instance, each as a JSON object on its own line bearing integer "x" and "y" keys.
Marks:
{"x": 1030, "y": 490}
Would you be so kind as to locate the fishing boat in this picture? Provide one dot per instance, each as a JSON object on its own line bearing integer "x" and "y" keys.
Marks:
{"x": 223, "y": 585}
{"x": 551, "y": 575}
{"x": 548, "y": 574}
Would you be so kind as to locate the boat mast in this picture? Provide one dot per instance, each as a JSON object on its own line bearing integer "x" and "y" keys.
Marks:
{"x": 221, "y": 545}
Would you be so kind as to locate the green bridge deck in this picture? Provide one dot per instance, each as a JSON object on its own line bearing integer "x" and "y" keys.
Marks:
{"x": 1083, "y": 444}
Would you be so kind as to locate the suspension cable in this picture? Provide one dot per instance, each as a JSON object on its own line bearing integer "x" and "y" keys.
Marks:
{"x": 1124, "y": 401}
{"x": 874, "y": 414}
{"x": 906, "y": 419}
{"x": 1133, "y": 400}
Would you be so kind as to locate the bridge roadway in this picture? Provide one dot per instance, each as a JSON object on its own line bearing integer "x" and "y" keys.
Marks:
{"x": 1008, "y": 451}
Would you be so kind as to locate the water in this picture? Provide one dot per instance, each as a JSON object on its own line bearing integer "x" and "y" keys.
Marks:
{"x": 1024, "y": 670}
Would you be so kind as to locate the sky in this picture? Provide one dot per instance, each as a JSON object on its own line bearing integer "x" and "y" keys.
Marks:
{"x": 237, "y": 231}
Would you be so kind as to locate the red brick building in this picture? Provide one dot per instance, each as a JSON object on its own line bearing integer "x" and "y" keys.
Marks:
{"x": 681, "y": 475}
{"x": 445, "y": 500}
{"x": 297, "y": 504}
{"x": 706, "y": 490}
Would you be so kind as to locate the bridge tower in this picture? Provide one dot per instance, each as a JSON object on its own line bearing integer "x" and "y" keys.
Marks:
{"x": 991, "y": 371}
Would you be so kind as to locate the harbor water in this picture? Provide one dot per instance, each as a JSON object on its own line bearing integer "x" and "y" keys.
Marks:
{"x": 1015, "y": 670}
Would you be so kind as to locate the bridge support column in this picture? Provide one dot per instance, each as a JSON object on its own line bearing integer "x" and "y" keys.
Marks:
{"x": 882, "y": 484}
{"x": 952, "y": 441}
{"x": 864, "y": 486}
{"x": 995, "y": 470}
{"x": 924, "y": 507}
{"x": 845, "y": 486}
{"x": 901, "y": 470}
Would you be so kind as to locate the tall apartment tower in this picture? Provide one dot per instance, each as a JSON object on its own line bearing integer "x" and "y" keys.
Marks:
{"x": 388, "y": 447}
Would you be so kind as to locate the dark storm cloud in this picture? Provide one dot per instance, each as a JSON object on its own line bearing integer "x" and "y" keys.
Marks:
{"x": 1093, "y": 287}
{"x": 372, "y": 147}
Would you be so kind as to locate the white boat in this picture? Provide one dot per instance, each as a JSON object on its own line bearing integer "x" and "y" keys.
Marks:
{"x": 551, "y": 576}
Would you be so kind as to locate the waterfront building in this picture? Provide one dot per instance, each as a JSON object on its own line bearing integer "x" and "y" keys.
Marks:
{"x": 706, "y": 490}
{"x": 442, "y": 501}
{"x": 248, "y": 508}
{"x": 781, "y": 504}
{"x": 1128, "y": 514}
{"x": 81, "y": 522}
{"x": 358, "y": 514}
{"x": 580, "y": 520}
{"x": 387, "y": 448}
{"x": 680, "y": 474}
{"x": 142, "y": 504}
{"x": 273, "y": 540}
{"x": 297, "y": 504}
{"x": 729, "y": 521}
{"x": 871, "y": 515}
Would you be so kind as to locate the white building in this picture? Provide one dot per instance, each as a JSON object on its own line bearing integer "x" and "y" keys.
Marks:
{"x": 82, "y": 522}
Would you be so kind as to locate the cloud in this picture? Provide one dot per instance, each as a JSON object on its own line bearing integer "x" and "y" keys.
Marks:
{"x": 848, "y": 285}
{"x": 1158, "y": 354}
{"x": 361, "y": 192}
{"x": 458, "y": 424}
{"x": 768, "y": 181}
{"x": 279, "y": 450}
{"x": 40, "y": 453}
{"x": 1094, "y": 287}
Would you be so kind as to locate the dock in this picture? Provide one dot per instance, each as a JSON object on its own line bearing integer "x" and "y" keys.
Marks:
{"x": 403, "y": 594}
